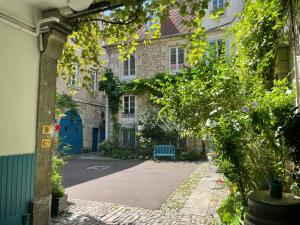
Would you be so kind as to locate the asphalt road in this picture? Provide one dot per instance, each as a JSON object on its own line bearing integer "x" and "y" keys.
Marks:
{"x": 133, "y": 183}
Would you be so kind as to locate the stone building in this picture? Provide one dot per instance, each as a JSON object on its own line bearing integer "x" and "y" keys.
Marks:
{"x": 91, "y": 112}
{"x": 164, "y": 54}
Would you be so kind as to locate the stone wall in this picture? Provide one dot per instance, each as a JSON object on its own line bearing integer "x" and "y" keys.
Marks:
{"x": 150, "y": 59}
{"x": 91, "y": 108}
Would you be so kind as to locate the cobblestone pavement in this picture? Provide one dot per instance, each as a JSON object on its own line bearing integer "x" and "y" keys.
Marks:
{"x": 200, "y": 208}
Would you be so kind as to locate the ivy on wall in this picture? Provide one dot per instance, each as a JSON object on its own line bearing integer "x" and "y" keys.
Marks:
{"x": 115, "y": 88}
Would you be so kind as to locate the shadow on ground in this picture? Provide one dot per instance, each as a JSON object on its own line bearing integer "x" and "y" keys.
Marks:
{"x": 78, "y": 171}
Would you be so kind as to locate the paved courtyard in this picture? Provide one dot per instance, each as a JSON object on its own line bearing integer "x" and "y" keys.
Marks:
{"x": 145, "y": 184}
{"x": 199, "y": 207}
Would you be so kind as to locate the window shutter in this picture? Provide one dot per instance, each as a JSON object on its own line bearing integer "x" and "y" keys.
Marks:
{"x": 126, "y": 68}
{"x": 132, "y": 65}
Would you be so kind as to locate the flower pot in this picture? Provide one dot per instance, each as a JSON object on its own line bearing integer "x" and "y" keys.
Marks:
{"x": 276, "y": 189}
{"x": 59, "y": 204}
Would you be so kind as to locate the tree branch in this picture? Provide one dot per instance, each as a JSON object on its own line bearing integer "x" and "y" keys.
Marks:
{"x": 131, "y": 19}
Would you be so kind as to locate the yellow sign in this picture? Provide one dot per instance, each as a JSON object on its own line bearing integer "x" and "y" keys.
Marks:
{"x": 46, "y": 143}
{"x": 46, "y": 130}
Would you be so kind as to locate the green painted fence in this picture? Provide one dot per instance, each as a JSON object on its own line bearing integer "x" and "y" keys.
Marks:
{"x": 17, "y": 176}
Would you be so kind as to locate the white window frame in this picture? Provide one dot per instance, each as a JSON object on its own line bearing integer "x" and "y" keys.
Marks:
{"x": 216, "y": 4}
{"x": 94, "y": 79}
{"x": 216, "y": 43}
{"x": 128, "y": 61}
{"x": 73, "y": 80}
{"x": 177, "y": 70}
{"x": 130, "y": 105}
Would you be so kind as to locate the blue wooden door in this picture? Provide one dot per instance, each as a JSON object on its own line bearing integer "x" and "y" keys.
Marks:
{"x": 70, "y": 133}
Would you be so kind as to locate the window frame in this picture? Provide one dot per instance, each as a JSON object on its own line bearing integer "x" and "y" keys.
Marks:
{"x": 128, "y": 62}
{"x": 216, "y": 5}
{"x": 217, "y": 43}
{"x": 177, "y": 70}
{"x": 94, "y": 79}
{"x": 128, "y": 137}
{"x": 131, "y": 105}
{"x": 73, "y": 80}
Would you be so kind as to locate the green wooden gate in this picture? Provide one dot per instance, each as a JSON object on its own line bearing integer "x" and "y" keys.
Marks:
{"x": 17, "y": 176}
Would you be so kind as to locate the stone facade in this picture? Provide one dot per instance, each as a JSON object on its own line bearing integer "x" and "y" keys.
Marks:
{"x": 155, "y": 58}
{"x": 91, "y": 108}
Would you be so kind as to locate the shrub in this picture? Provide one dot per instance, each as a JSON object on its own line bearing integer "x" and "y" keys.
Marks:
{"x": 189, "y": 156}
{"x": 57, "y": 188}
{"x": 106, "y": 147}
{"x": 231, "y": 211}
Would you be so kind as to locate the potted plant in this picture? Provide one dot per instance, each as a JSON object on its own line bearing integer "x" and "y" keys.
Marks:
{"x": 59, "y": 198}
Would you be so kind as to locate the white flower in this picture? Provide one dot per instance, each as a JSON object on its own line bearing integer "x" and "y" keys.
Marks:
{"x": 213, "y": 112}
{"x": 254, "y": 105}
{"x": 196, "y": 114}
{"x": 237, "y": 126}
{"x": 245, "y": 109}
{"x": 208, "y": 122}
{"x": 213, "y": 124}
{"x": 288, "y": 92}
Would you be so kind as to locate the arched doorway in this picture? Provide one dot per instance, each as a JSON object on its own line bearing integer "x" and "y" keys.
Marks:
{"x": 70, "y": 133}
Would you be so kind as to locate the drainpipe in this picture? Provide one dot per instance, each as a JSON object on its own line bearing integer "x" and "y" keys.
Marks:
{"x": 26, "y": 27}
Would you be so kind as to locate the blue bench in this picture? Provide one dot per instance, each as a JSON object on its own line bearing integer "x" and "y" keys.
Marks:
{"x": 164, "y": 150}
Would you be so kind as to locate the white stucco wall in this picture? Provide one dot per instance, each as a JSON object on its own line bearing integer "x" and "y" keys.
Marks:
{"x": 19, "y": 71}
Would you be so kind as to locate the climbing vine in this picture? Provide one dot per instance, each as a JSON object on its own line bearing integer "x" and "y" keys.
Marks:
{"x": 115, "y": 88}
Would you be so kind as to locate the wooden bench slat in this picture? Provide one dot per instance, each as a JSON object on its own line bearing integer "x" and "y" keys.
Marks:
{"x": 164, "y": 150}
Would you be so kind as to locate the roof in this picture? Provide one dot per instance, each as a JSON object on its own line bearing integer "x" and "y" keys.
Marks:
{"x": 173, "y": 25}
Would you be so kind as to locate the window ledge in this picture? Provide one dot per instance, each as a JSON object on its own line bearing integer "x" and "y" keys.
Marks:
{"x": 131, "y": 77}
{"x": 128, "y": 115}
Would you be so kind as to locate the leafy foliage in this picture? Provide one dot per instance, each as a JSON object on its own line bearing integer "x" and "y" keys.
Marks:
{"x": 258, "y": 35}
{"x": 57, "y": 188}
{"x": 231, "y": 211}
{"x": 63, "y": 102}
{"x": 121, "y": 27}
{"x": 229, "y": 98}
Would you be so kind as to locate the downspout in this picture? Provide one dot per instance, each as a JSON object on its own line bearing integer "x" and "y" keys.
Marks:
{"x": 26, "y": 27}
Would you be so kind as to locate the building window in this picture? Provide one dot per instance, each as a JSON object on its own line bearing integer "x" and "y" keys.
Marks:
{"x": 176, "y": 59}
{"x": 129, "y": 66}
{"x": 128, "y": 137}
{"x": 218, "y": 4}
{"x": 129, "y": 105}
{"x": 94, "y": 78}
{"x": 74, "y": 77}
{"x": 218, "y": 46}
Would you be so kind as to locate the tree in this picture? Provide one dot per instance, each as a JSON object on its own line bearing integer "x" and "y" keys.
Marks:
{"x": 120, "y": 27}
